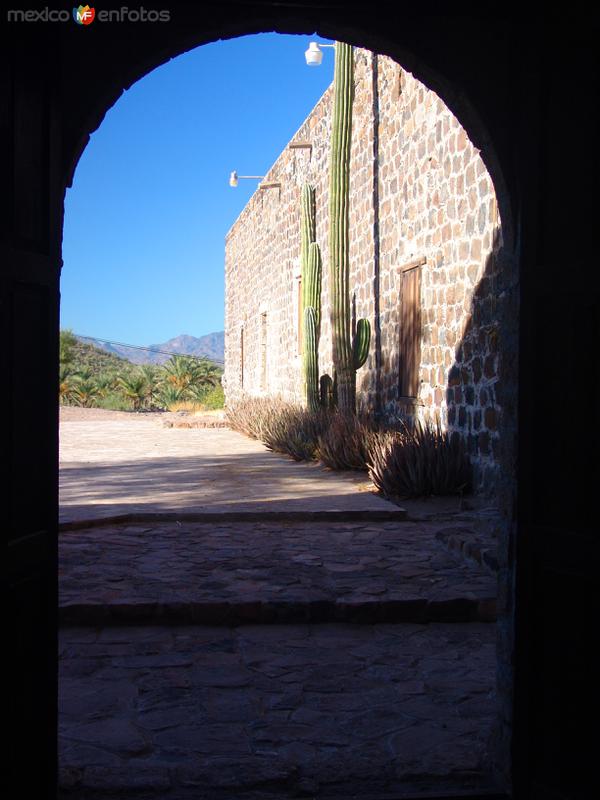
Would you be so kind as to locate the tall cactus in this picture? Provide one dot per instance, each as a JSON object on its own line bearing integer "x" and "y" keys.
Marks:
{"x": 308, "y": 223}
{"x": 310, "y": 261}
{"x": 311, "y": 353}
{"x": 348, "y": 354}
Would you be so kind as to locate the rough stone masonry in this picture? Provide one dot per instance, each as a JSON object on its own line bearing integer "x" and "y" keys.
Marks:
{"x": 425, "y": 240}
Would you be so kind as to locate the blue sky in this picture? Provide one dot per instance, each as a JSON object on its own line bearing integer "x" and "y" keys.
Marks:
{"x": 146, "y": 218}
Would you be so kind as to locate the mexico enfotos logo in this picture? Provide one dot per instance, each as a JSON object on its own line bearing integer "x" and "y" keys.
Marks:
{"x": 84, "y": 15}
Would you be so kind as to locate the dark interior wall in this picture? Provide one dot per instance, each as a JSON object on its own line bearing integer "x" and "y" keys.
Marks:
{"x": 524, "y": 90}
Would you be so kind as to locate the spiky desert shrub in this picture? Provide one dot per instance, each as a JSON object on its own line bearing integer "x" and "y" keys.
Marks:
{"x": 418, "y": 460}
{"x": 249, "y": 414}
{"x": 283, "y": 427}
{"x": 295, "y": 431}
{"x": 345, "y": 441}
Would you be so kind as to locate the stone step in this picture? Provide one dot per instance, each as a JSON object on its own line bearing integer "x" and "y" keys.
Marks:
{"x": 277, "y": 571}
{"x": 476, "y": 546}
{"x": 393, "y": 514}
{"x": 458, "y": 609}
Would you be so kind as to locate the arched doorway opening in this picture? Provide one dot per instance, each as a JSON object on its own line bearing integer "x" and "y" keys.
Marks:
{"x": 510, "y": 332}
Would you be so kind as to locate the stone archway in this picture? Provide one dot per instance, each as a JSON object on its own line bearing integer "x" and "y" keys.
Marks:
{"x": 479, "y": 132}
{"x": 479, "y": 58}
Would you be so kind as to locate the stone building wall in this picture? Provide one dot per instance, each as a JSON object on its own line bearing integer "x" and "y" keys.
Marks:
{"x": 420, "y": 199}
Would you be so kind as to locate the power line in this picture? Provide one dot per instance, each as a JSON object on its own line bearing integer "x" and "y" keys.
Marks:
{"x": 150, "y": 349}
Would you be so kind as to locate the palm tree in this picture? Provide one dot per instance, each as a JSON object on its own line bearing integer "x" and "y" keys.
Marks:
{"x": 105, "y": 384}
{"x": 169, "y": 395}
{"x": 152, "y": 375}
{"x": 208, "y": 377}
{"x": 86, "y": 392}
{"x": 180, "y": 372}
{"x": 135, "y": 388}
{"x": 207, "y": 373}
{"x": 65, "y": 385}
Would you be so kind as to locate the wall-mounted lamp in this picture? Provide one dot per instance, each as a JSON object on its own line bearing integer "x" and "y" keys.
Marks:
{"x": 234, "y": 178}
{"x": 314, "y": 54}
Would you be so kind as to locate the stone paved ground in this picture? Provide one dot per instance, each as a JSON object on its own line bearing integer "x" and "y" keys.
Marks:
{"x": 250, "y": 712}
{"x": 266, "y": 572}
{"x": 116, "y": 464}
{"x": 284, "y": 711}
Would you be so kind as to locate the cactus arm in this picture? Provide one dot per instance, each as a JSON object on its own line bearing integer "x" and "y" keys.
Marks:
{"x": 307, "y": 233}
{"x": 360, "y": 345}
{"x": 311, "y": 369}
{"x": 312, "y": 293}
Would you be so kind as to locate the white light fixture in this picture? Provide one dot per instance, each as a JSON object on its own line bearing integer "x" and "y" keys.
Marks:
{"x": 314, "y": 54}
{"x": 234, "y": 178}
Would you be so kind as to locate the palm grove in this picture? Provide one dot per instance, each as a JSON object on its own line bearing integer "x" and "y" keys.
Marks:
{"x": 91, "y": 377}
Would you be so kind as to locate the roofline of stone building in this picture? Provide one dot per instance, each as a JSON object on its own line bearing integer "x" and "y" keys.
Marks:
{"x": 274, "y": 164}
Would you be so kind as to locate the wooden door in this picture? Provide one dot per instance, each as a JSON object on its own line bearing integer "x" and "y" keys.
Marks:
{"x": 410, "y": 331}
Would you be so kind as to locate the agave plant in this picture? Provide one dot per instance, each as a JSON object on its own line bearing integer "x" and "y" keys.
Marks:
{"x": 294, "y": 431}
{"x": 419, "y": 460}
{"x": 345, "y": 442}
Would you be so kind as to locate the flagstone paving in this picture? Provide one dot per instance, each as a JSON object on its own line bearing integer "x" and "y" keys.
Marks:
{"x": 286, "y": 711}
{"x": 167, "y": 687}
{"x": 230, "y": 573}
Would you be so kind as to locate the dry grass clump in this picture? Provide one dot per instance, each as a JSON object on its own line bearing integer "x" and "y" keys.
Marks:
{"x": 191, "y": 406}
{"x": 419, "y": 460}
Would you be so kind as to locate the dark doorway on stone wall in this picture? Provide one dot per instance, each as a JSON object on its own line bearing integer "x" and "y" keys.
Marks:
{"x": 298, "y": 646}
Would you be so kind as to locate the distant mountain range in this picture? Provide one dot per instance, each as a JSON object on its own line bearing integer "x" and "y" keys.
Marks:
{"x": 212, "y": 346}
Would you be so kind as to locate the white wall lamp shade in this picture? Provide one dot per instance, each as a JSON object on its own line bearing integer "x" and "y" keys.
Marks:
{"x": 314, "y": 55}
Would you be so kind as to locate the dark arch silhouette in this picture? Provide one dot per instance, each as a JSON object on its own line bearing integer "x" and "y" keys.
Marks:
{"x": 424, "y": 67}
{"x": 499, "y": 75}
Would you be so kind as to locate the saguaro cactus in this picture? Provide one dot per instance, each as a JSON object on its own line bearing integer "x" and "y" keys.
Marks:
{"x": 310, "y": 261}
{"x": 348, "y": 354}
{"x": 311, "y": 354}
{"x": 307, "y": 227}
{"x": 311, "y": 284}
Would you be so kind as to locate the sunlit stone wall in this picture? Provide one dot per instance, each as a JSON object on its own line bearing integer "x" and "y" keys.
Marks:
{"x": 420, "y": 198}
